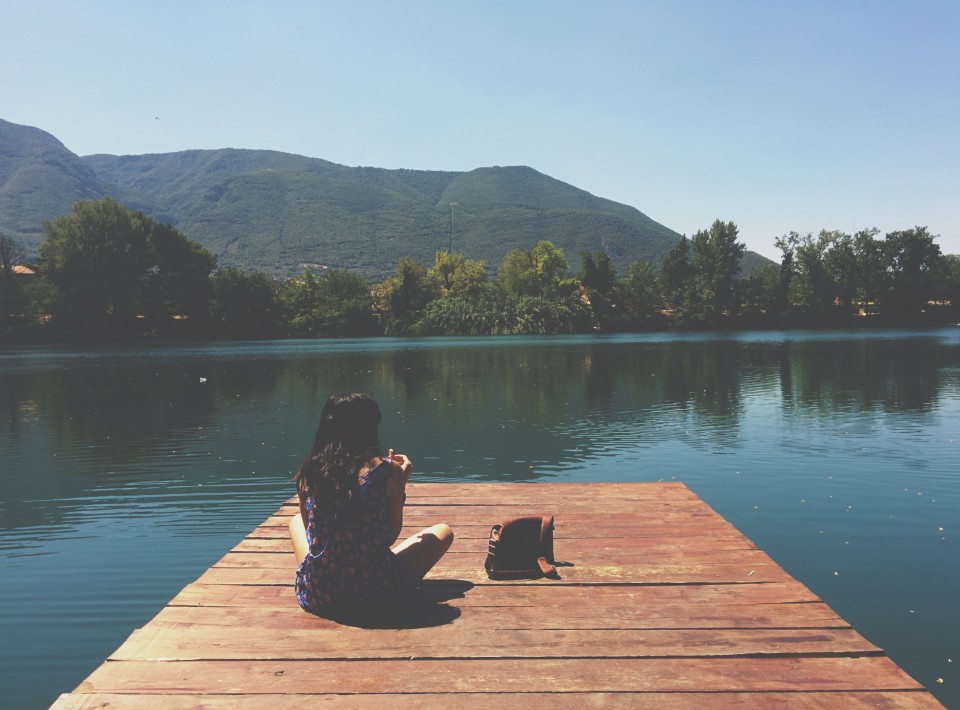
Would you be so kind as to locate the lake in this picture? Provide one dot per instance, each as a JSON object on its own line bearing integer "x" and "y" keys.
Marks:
{"x": 127, "y": 471}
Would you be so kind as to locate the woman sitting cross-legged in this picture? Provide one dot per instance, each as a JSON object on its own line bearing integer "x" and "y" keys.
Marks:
{"x": 351, "y": 513}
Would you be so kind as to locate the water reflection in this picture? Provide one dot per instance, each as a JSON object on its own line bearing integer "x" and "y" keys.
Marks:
{"x": 832, "y": 376}
{"x": 546, "y": 404}
{"x": 510, "y": 410}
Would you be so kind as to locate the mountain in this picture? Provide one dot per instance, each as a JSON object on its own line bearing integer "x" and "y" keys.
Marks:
{"x": 278, "y": 212}
{"x": 39, "y": 179}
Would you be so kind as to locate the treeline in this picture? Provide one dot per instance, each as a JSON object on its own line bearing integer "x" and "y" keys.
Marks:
{"x": 108, "y": 271}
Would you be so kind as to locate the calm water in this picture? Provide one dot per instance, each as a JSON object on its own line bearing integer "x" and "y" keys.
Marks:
{"x": 125, "y": 475}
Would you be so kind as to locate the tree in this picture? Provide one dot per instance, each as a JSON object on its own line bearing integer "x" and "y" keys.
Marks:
{"x": 676, "y": 276}
{"x": 598, "y": 277}
{"x": 106, "y": 263}
{"x": 533, "y": 272}
{"x": 540, "y": 315}
{"x": 947, "y": 281}
{"x": 245, "y": 304}
{"x": 841, "y": 264}
{"x": 716, "y": 264}
{"x": 912, "y": 259}
{"x": 638, "y": 290}
{"x": 10, "y": 256}
{"x": 301, "y": 301}
{"x": 407, "y": 295}
{"x": 338, "y": 303}
{"x": 456, "y": 315}
{"x": 813, "y": 287}
{"x": 786, "y": 244}
{"x": 760, "y": 289}
{"x": 517, "y": 273}
{"x": 551, "y": 266}
{"x": 179, "y": 280}
{"x": 96, "y": 259}
{"x": 458, "y": 276}
{"x": 349, "y": 304}
{"x": 870, "y": 272}
{"x": 597, "y": 273}
{"x": 817, "y": 272}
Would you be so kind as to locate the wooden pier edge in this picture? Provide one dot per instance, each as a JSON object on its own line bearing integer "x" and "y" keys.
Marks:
{"x": 664, "y": 605}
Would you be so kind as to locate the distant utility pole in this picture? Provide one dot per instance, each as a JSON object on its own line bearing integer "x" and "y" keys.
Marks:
{"x": 450, "y": 248}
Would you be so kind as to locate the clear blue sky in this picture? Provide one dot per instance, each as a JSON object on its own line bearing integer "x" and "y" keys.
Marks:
{"x": 777, "y": 115}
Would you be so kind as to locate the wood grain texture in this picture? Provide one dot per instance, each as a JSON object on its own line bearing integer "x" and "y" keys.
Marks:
{"x": 693, "y": 700}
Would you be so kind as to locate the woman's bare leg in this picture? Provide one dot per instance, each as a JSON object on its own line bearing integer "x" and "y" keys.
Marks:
{"x": 298, "y": 536}
{"x": 423, "y": 550}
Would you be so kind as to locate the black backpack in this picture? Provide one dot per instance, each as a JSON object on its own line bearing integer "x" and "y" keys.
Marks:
{"x": 522, "y": 548}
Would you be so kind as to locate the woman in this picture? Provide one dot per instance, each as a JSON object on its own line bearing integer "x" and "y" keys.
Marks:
{"x": 351, "y": 512}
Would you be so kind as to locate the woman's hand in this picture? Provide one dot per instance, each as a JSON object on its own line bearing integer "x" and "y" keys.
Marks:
{"x": 396, "y": 490}
{"x": 401, "y": 463}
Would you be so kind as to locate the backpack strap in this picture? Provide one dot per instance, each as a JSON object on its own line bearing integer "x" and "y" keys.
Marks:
{"x": 548, "y": 569}
{"x": 546, "y": 547}
{"x": 492, "y": 548}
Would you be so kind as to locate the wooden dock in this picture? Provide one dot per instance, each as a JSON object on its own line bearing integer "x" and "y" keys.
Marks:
{"x": 666, "y": 605}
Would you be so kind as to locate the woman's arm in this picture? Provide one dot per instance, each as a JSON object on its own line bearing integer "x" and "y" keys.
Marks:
{"x": 298, "y": 533}
{"x": 304, "y": 513}
{"x": 397, "y": 492}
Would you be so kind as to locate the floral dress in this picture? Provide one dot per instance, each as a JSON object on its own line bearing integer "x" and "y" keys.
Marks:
{"x": 350, "y": 564}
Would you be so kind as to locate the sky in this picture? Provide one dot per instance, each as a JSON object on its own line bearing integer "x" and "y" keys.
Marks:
{"x": 777, "y": 115}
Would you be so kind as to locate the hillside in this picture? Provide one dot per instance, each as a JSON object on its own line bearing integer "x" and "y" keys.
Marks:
{"x": 277, "y": 212}
{"x": 39, "y": 179}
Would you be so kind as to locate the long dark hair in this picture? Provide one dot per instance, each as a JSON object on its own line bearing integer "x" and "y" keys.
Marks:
{"x": 345, "y": 442}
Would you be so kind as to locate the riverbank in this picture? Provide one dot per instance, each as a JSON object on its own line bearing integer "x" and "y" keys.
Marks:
{"x": 197, "y": 332}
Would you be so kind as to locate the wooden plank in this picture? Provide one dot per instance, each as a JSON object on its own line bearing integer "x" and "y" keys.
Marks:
{"x": 569, "y": 547}
{"x": 580, "y": 574}
{"x": 611, "y": 524}
{"x": 867, "y": 700}
{"x": 455, "y": 640}
{"x": 596, "y": 533}
{"x": 526, "y": 493}
{"x": 623, "y": 675}
{"x": 474, "y": 559}
{"x": 535, "y": 595}
{"x": 601, "y": 613}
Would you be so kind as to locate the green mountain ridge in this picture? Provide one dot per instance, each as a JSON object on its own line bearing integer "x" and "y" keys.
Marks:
{"x": 278, "y": 212}
{"x": 39, "y": 179}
